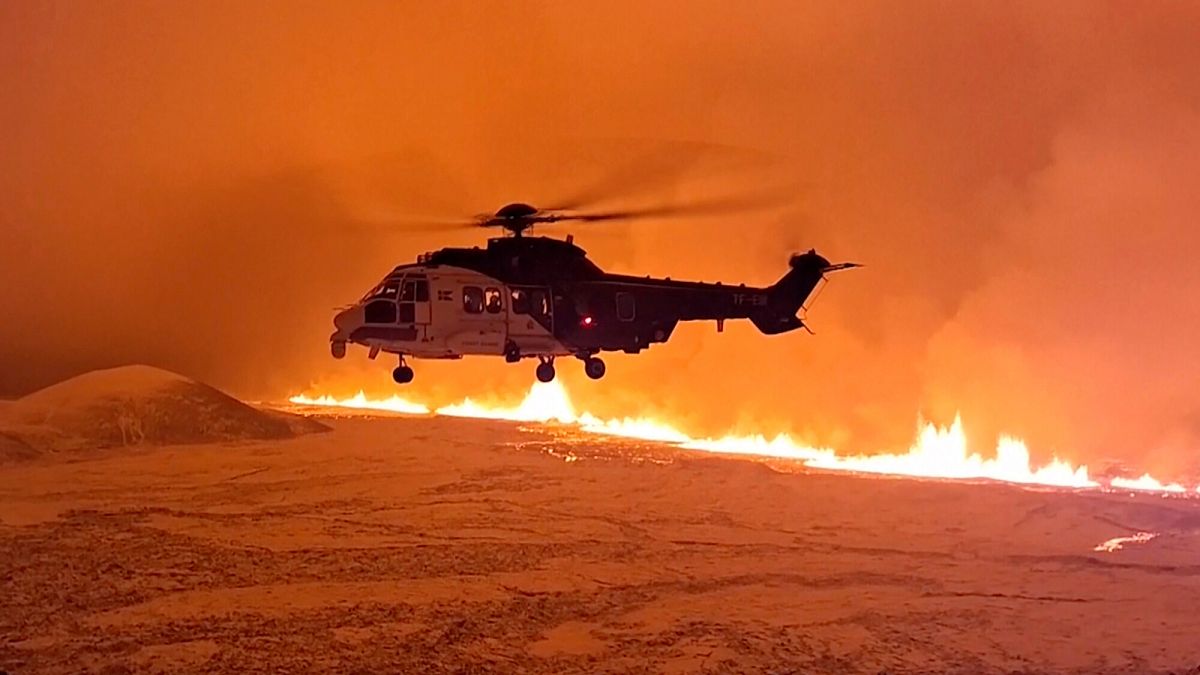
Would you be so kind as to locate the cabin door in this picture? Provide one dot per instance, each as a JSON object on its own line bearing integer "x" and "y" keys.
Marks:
{"x": 532, "y": 313}
{"x": 413, "y": 306}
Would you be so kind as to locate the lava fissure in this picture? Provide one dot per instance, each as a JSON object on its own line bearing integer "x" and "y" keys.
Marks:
{"x": 937, "y": 452}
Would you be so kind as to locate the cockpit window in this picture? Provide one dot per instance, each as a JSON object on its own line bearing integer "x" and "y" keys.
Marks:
{"x": 380, "y": 311}
{"x": 388, "y": 289}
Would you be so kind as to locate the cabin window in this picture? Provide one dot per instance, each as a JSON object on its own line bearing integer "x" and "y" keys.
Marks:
{"x": 626, "y": 306}
{"x": 520, "y": 302}
{"x": 492, "y": 300}
{"x": 539, "y": 303}
{"x": 472, "y": 300}
{"x": 532, "y": 301}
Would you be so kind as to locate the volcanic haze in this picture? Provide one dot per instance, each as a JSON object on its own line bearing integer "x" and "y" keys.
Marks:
{"x": 198, "y": 185}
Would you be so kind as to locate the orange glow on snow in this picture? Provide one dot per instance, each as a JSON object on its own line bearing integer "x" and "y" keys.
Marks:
{"x": 937, "y": 452}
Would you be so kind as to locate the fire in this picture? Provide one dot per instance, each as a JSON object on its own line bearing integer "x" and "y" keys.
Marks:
{"x": 360, "y": 402}
{"x": 937, "y": 452}
{"x": 1147, "y": 483}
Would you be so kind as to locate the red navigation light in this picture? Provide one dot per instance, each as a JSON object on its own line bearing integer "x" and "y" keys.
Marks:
{"x": 587, "y": 322}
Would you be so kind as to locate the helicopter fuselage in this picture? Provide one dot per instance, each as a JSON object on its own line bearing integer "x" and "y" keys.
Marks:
{"x": 537, "y": 297}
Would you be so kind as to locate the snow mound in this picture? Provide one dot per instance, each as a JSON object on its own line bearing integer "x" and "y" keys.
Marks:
{"x": 135, "y": 405}
{"x": 13, "y": 449}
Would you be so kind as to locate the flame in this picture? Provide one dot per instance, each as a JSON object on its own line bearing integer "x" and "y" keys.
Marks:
{"x": 937, "y": 452}
{"x": 1147, "y": 483}
{"x": 360, "y": 402}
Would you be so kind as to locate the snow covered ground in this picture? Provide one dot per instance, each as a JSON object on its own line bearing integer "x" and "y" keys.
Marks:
{"x": 449, "y": 545}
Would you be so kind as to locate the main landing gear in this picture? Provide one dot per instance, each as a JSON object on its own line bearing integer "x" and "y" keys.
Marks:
{"x": 545, "y": 369}
{"x": 402, "y": 374}
{"x": 594, "y": 367}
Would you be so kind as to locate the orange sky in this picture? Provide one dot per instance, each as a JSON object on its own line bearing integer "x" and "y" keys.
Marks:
{"x": 1019, "y": 177}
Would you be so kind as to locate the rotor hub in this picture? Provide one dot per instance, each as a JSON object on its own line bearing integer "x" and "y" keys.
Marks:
{"x": 515, "y": 211}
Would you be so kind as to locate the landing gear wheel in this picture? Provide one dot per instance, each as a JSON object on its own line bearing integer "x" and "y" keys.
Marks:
{"x": 545, "y": 371}
{"x": 402, "y": 375}
{"x": 338, "y": 349}
{"x": 512, "y": 353}
{"x": 594, "y": 368}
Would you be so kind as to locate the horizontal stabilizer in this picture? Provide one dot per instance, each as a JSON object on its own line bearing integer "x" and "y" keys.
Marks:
{"x": 774, "y": 324}
{"x": 838, "y": 267}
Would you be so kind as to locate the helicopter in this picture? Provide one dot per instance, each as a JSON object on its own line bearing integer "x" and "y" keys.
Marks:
{"x": 542, "y": 298}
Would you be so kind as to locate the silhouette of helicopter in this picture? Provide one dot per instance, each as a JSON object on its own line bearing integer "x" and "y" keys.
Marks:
{"x": 540, "y": 297}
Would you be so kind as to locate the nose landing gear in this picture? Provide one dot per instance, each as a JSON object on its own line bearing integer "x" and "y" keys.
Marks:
{"x": 402, "y": 374}
{"x": 512, "y": 353}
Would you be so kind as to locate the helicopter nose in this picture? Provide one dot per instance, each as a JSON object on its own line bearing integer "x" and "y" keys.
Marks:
{"x": 344, "y": 320}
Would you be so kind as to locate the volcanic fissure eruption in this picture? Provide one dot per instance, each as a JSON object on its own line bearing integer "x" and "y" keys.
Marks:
{"x": 937, "y": 452}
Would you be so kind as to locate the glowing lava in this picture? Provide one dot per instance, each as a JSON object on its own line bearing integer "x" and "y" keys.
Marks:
{"x": 360, "y": 402}
{"x": 1147, "y": 483}
{"x": 1117, "y": 543}
{"x": 938, "y": 452}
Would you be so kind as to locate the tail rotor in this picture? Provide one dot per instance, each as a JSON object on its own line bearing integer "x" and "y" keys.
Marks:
{"x": 794, "y": 290}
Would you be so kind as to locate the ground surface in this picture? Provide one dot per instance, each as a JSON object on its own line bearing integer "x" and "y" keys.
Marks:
{"x": 439, "y": 545}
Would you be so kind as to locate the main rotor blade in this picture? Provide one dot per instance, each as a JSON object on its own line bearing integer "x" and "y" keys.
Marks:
{"x": 402, "y": 225}
{"x": 650, "y": 171}
{"x": 712, "y": 207}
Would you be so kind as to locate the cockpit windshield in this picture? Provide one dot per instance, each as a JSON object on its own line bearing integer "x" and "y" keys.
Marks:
{"x": 388, "y": 289}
